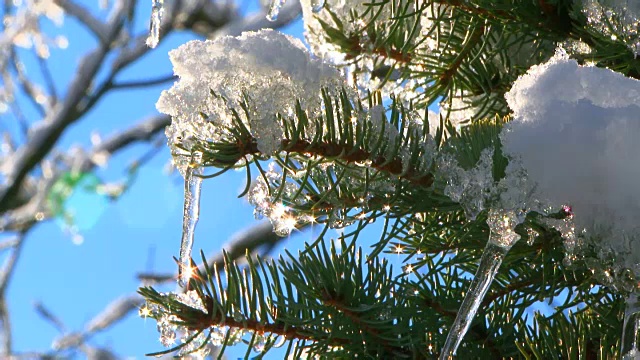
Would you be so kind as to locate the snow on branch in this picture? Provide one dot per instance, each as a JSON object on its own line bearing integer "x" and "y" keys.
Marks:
{"x": 268, "y": 69}
{"x": 575, "y": 131}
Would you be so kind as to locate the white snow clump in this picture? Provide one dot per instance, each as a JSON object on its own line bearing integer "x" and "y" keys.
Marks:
{"x": 575, "y": 131}
{"x": 270, "y": 68}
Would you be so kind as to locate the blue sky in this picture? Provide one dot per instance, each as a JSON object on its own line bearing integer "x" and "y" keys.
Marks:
{"x": 139, "y": 232}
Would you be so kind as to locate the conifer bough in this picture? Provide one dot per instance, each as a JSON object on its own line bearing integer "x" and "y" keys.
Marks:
{"x": 529, "y": 124}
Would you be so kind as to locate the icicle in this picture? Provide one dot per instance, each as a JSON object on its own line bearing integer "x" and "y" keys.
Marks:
{"x": 192, "y": 187}
{"x": 274, "y": 9}
{"x": 157, "y": 10}
{"x": 631, "y": 329}
{"x": 317, "y": 5}
{"x": 501, "y": 238}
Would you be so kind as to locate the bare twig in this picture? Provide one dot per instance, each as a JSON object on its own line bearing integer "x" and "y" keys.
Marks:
{"x": 48, "y": 79}
{"x": 143, "y": 83}
{"x": 85, "y": 17}
{"x": 26, "y": 85}
{"x": 6, "y": 328}
{"x": 24, "y": 217}
{"x": 113, "y": 313}
{"x": 246, "y": 240}
{"x": 58, "y": 119}
{"x": 47, "y": 315}
{"x": 257, "y": 21}
{"x": 9, "y": 265}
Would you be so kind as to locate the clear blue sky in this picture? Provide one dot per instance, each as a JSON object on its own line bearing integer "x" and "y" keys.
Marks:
{"x": 139, "y": 232}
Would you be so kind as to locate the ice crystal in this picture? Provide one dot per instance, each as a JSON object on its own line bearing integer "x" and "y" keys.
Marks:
{"x": 268, "y": 69}
{"x": 283, "y": 218}
{"x": 192, "y": 299}
{"x": 574, "y": 132}
{"x": 472, "y": 188}
{"x": 167, "y": 330}
{"x": 502, "y": 225}
{"x": 192, "y": 341}
{"x": 195, "y": 347}
{"x": 620, "y": 19}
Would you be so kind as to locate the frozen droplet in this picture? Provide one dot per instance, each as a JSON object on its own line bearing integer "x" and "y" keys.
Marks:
{"x": 167, "y": 331}
{"x": 259, "y": 343}
{"x": 192, "y": 299}
{"x": 157, "y": 11}
{"x": 274, "y": 9}
{"x": 501, "y": 238}
{"x": 192, "y": 187}
{"x": 531, "y": 236}
{"x": 317, "y": 5}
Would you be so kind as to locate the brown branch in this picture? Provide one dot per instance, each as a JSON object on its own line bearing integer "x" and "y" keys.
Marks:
{"x": 195, "y": 319}
{"x": 355, "y": 318}
{"x": 345, "y": 152}
{"x": 452, "y": 69}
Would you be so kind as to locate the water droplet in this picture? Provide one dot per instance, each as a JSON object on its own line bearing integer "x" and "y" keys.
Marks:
{"x": 157, "y": 11}
{"x": 274, "y": 9}
{"x": 192, "y": 187}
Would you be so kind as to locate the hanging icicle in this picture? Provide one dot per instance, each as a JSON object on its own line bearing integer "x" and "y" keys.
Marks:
{"x": 192, "y": 187}
{"x": 157, "y": 11}
{"x": 631, "y": 328}
{"x": 501, "y": 239}
{"x": 274, "y": 9}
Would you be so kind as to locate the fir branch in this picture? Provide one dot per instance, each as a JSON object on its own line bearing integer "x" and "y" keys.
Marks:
{"x": 453, "y": 67}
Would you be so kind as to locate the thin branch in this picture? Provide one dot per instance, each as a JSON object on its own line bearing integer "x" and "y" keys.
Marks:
{"x": 24, "y": 217}
{"x": 10, "y": 265}
{"x": 6, "y": 328}
{"x": 26, "y": 85}
{"x": 246, "y": 240}
{"x": 57, "y": 120}
{"x": 113, "y": 313}
{"x": 23, "y": 123}
{"x": 47, "y": 315}
{"x": 143, "y": 83}
{"x": 9, "y": 243}
{"x": 48, "y": 79}
{"x": 97, "y": 27}
{"x": 143, "y": 131}
{"x": 258, "y": 20}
